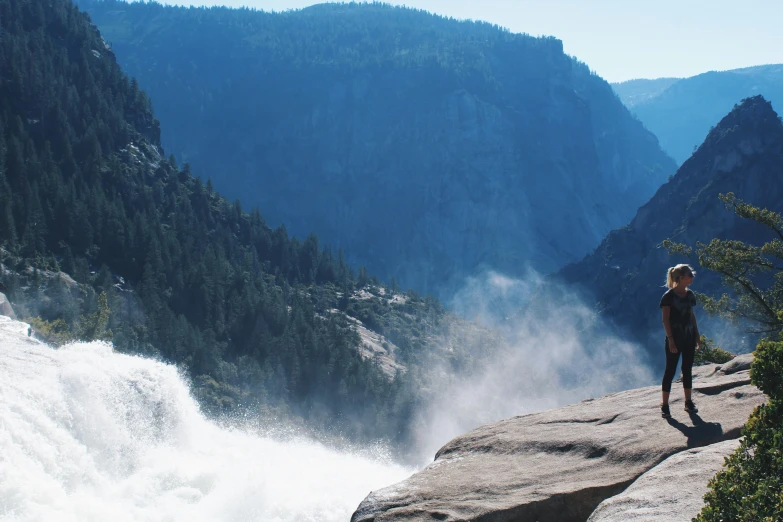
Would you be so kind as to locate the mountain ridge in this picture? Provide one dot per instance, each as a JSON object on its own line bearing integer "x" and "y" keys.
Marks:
{"x": 682, "y": 114}
{"x": 742, "y": 154}
{"x": 457, "y": 130}
{"x": 634, "y": 92}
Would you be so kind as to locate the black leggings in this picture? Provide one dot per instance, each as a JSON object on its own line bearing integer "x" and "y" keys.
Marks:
{"x": 687, "y": 349}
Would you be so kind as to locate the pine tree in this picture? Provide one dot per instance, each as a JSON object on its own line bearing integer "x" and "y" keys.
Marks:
{"x": 94, "y": 326}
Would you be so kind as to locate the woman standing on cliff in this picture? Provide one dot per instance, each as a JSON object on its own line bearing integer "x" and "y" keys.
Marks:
{"x": 682, "y": 333}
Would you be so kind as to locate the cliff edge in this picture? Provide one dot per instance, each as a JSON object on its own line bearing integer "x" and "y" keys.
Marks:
{"x": 559, "y": 465}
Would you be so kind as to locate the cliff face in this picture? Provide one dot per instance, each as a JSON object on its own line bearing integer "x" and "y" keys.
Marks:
{"x": 558, "y": 465}
{"x": 682, "y": 113}
{"x": 623, "y": 277}
{"x": 426, "y": 148}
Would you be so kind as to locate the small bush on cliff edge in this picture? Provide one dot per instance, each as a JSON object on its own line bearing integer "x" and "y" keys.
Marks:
{"x": 750, "y": 486}
{"x": 711, "y": 354}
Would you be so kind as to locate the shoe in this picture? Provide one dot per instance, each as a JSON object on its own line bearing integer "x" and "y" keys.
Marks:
{"x": 665, "y": 413}
{"x": 690, "y": 407}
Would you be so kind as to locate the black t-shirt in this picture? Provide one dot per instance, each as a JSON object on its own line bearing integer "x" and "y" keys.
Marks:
{"x": 680, "y": 317}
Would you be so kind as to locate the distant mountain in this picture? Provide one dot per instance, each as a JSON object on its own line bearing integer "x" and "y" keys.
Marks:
{"x": 634, "y": 92}
{"x": 681, "y": 115}
{"x": 623, "y": 277}
{"x": 425, "y": 147}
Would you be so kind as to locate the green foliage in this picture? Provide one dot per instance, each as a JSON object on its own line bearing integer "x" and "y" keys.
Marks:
{"x": 711, "y": 354}
{"x": 767, "y": 369}
{"x": 216, "y": 396}
{"x": 56, "y": 333}
{"x": 749, "y": 488}
{"x": 93, "y": 327}
{"x": 89, "y": 327}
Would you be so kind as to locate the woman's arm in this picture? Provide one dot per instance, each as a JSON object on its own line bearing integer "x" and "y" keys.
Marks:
{"x": 696, "y": 327}
{"x": 668, "y": 327}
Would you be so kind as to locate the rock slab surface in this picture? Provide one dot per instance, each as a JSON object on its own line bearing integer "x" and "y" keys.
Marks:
{"x": 672, "y": 491}
{"x": 559, "y": 465}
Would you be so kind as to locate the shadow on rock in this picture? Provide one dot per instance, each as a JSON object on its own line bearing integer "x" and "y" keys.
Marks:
{"x": 701, "y": 433}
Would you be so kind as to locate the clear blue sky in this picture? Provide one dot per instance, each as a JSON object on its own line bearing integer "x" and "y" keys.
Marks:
{"x": 621, "y": 39}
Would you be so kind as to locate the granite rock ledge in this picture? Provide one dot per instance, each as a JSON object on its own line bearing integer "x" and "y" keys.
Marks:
{"x": 559, "y": 465}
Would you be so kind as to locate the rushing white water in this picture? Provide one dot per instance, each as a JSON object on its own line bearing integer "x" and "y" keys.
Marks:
{"x": 91, "y": 435}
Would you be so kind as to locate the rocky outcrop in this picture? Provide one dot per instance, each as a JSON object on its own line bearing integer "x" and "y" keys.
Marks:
{"x": 672, "y": 491}
{"x": 5, "y": 307}
{"x": 376, "y": 347}
{"x": 558, "y": 465}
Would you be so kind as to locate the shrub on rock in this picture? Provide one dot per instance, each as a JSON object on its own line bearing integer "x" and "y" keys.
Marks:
{"x": 711, "y": 354}
{"x": 750, "y": 487}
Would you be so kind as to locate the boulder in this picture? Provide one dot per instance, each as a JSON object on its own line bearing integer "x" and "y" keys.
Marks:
{"x": 558, "y": 465}
{"x": 673, "y": 491}
{"x": 5, "y": 307}
{"x": 737, "y": 364}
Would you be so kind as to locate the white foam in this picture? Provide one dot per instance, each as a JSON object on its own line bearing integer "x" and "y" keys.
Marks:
{"x": 87, "y": 434}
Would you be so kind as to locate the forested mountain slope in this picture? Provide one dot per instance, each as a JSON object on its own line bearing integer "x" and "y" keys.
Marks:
{"x": 103, "y": 237}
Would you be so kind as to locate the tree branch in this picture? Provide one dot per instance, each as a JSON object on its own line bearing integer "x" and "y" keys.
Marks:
{"x": 752, "y": 291}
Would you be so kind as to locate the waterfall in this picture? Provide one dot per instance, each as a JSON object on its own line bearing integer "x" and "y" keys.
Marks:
{"x": 87, "y": 434}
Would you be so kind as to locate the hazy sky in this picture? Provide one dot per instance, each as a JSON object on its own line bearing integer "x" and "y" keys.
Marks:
{"x": 621, "y": 39}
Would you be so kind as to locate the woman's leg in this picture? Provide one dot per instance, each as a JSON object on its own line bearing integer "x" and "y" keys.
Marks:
{"x": 668, "y": 375}
{"x": 687, "y": 371}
